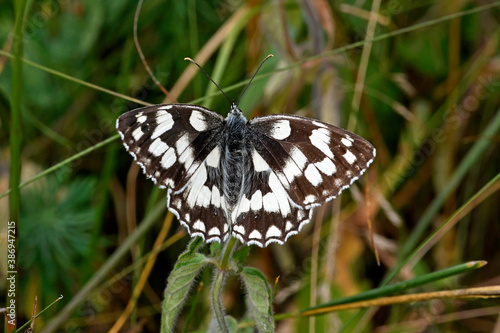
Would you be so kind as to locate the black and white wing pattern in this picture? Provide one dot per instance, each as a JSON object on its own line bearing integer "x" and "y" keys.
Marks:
{"x": 176, "y": 144}
{"x": 256, "y": 180}
{"x": 298, "y": 163}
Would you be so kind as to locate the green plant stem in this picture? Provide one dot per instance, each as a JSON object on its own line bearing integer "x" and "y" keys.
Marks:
{"x": 219, "y": 283}
{"x": 228, "y": 251}
{"x": 216, "y": 301}
{"x": 16, "y": 139}
{"x": 15, "y": 104}
{"x": 20, "y": 329}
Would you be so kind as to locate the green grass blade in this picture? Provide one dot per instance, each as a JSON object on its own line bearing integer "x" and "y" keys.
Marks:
{"x": 404, "y": 285}
{"x": 106, "y": 268}
{"x": 64, "y": 163}
{"x": 16, "y": 139}
{"x": 75, "y": 80}
{"x": 466, "y": 164}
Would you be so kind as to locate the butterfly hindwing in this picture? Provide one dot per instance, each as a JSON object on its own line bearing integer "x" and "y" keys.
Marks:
{"x": 265, "y": 214}
{"x": 201, "y": 205}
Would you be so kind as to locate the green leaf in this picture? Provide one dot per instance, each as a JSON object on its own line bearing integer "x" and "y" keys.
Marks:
{"x": 259, "y": 298}
{"x": 241, "y": 254}
{"x": 192, "y": 249}
{"x": 179, "y": 283}
{"x": 215, "y": 249}
{"x": 232, "y": 324}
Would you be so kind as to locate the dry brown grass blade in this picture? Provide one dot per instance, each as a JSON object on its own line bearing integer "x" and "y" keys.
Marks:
{"x": 363, "y": 65}
{"x": 206, "y": 51}
{"x": 141, "y": 54}
{"x": 144, "y": 274}
{"x": 480, "y": 292}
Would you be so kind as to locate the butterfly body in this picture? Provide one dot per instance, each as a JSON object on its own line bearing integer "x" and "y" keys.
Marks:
{"x": 235, "y": 161}
{"x": 256, "y": 180}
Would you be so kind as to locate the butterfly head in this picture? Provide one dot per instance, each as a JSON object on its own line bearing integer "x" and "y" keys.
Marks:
{"x": 235, "y": 116}
{"x": 234, "y": 109}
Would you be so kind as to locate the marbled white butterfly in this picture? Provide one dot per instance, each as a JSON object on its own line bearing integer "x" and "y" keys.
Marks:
{"x": 256, "y": 180}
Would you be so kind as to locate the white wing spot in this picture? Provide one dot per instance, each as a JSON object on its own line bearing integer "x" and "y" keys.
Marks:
{"x": 320, "y": 138}
{"x": 299, "y": 157}
{"x": 309, "y": 199}
{"x": 141, "y": 118}
{"x": 215, "y": 196}
{"x": 289, "y": 226}
{"x": 258, "y": 162}
{"x": 204, "y": 197}
{"x": 186, "y": 157}
{"x": 313, "y": 176}
{"x": 214, "y": 157}
{"x": 197, "y": 120}
{"x": 273, "y": 231}
{"x": 238, "y": 228}
{"x": 168, "y": 158}
{"x": 283, "y": 179}
{"x": 349, "y": 157}
{"x": 270, "y": 203}
{"x": 281, "y": 130}
{"x": 291, "y": 170}
{"x": 346, "y": 142}
{"x": 165, "y": 107}
{"x": 165, "y": 123}
{"x": 255, "y": 234}
{"x": 214, "y": 231}
{"x": 280, "y": 194}
{"x": 243, "y": 206}
{"x": 326, "y": 166}
{"x": 158, "y": 147}
{"x": 256, "y": 201}
{"x": 197, "y": 182}
{"x": 199, "y": 226}
{"x": 182, "y": 143}
{"x": 137, "y": 133}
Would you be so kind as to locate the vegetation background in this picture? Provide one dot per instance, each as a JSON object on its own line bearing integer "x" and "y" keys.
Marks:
{"x": 418, "y": 79}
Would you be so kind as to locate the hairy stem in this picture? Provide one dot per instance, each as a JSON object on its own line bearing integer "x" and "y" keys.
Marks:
{"x": 219, "y": 283}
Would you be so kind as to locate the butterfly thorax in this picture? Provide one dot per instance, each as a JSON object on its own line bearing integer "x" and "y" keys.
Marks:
{"x": 234, "y": 159}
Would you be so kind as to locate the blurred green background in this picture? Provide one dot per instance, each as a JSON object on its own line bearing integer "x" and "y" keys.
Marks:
{"x": 425, "y": 93}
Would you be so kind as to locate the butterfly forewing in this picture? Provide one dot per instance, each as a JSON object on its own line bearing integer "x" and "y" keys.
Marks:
{"x": 314, "y": 161}
{"x": 161, "y": 138}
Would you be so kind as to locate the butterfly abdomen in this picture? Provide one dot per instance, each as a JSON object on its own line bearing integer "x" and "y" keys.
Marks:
{"x": 234, "y": 162}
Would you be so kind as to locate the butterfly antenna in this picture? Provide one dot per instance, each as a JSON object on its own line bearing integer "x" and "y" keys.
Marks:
{"x": 194, "y": 62}
{"x": 248, "y": 84}
{"x": 141, "y": 54}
